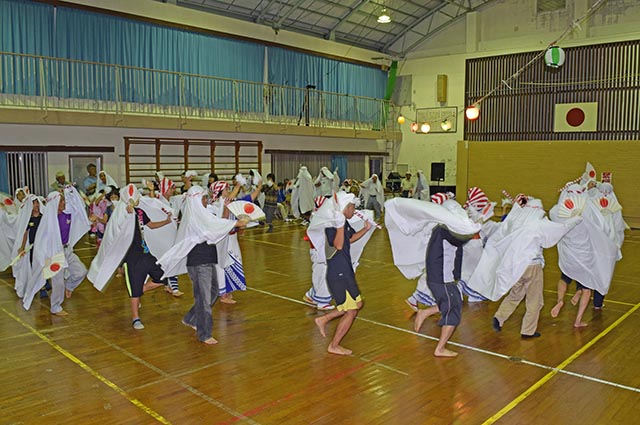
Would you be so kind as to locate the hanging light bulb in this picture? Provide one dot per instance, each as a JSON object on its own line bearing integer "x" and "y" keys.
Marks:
{"x": 401, "y": 119}
{"x": 384, "y": 17}
{"x": 425, "y": 127}
{"x": 446, "y": 125}
{"x": 472, "y": 112}
{"x": 414, "y": 127}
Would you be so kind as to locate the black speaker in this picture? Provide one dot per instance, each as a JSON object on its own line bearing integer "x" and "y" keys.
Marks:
{"x": 437, "y": 171}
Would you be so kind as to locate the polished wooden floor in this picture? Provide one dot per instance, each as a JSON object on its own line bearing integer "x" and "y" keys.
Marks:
{"x": 271, "y": 365}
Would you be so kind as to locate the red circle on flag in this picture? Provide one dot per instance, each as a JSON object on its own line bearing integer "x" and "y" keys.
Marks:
{"x": 575, "y": 117}
{"x": 604, "y": 202}
{"x": 569, "y": 204}
{"x": 54, "y": 267}
{"x": 249, "y": 208}
{"x": 8, "y": 201}
{"x": 592, "y": 174}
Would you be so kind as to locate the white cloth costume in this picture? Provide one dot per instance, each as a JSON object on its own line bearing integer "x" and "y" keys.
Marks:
{"x": 50, "y": 258}
{"x": 302, "y": 193}
{"x": 103, "y": 186}
{"x": 197, "y": 226}
{"x": 161, "y": 239}
{"x": 117, "y": 239}
{"x": 9, "y": 212}
{"x": 326, "y": 183}
{"x": 410, "y": 223}
{"x": 371, "y": 189}
{"x": 516, "y": 244}
{"x": 22, "y": 268}
{"x": 229, "y": 268}
{"x": 587, "y": 254}
{"x": 421, "y": 191}
{"x": 321, "y": 219}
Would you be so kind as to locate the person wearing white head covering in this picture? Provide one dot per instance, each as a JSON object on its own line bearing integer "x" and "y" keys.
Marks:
{"x": 104, "y": 181}
{"x": 195, "y": 252}
{"x": 585, "y": 254}
{"x": 319, "y": 295}
{"x": 28, "y": 218}
{"x": 327, "y": 182}
{"x": 124, "y": 242}
{"x": 422, "y": 187}
{"x": 9, "y": 211}
{"x": 422, "y": 230}
{"x": 338, "y": 237}
{"x": 161, "y": 239}
{"x": 373, "y": 194}
{"x": 513, "y": 261}
{"x": 63, "y": 223}
{"x": 302, "y": 195}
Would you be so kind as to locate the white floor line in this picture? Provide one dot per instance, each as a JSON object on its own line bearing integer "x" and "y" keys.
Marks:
{"x": 469, "y": 347}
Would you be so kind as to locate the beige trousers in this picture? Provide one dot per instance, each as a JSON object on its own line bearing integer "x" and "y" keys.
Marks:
{"x": 530, "y": 286}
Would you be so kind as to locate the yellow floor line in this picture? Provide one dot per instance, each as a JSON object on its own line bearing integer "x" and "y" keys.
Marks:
{"x": 155, "y": 415}
{"x": 558, "y": 368}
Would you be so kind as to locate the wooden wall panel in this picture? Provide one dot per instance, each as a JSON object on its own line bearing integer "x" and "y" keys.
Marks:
{"x": 540, "y": 168}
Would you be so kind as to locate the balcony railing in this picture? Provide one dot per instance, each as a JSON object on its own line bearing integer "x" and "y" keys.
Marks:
{"x": 48, "y": 83}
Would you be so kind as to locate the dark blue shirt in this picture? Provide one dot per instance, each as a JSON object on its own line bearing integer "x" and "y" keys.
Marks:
{"x": 340, "y": 265}
{"x": 444, "y": 256}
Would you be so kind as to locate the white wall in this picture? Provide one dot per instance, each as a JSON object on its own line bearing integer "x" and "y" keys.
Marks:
{"x": 29, "y": 135}
{"x": 504, "y": 27}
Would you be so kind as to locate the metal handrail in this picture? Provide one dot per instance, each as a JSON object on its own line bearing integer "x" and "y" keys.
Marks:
{"x": 49, "y": 83}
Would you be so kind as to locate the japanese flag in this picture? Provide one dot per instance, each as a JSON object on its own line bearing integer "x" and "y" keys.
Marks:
{"x": 570, "y": 117}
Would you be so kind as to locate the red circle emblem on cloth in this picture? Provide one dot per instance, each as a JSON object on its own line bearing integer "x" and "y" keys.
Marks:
{"x": 54, "y": 267}
{"x": 8, "y": 201}
{"x": 249, "y": 208}
{"x": 575, "y": 117}
{"x": 569, "y": 204}
{"x": 592, "y": 174}
{"x": 131, "y": 189}
{"x": 604, "y": 202}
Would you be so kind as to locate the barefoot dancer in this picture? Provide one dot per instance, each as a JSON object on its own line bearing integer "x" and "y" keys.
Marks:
{"x": 340, "y": 275}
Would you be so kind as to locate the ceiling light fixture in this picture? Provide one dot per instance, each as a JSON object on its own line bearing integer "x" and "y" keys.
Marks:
{"x": 384, "y": 17}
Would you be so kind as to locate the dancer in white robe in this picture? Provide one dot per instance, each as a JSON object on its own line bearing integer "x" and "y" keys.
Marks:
{"x": 318, "y": 295}
{"x": 373, "y": 193}
{"x": 199, "y": 230}
{"x": 161, "y": 239}
{"x": 427, "y": 238}
{"x": 28, "y": 218}
{"x": 63, "y": 223}
{"x": 421, "y": 190}
{"x": 302, "y": 196}
{"x": 513, "y": 260}
{"x": 124, "y": 243}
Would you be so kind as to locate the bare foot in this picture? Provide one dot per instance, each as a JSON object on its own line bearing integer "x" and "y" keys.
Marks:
{"x": 339, "y": 350}
{"x": 580, "y": 325}
{"x": 444, "y": 353}
{"x": 576, "y": 298}
{"x": 422, "y": 315}
{"x": 321, "y": 323}
{"x": 556, "y": 309}
{"x": 61, "y": 313}
{"x": 211, "y": 341}
{"x": 120, "y": 272}
{"x": 68, "y": 293}
{"x": 151, "y": 285}
{"x": 227, "y": 299}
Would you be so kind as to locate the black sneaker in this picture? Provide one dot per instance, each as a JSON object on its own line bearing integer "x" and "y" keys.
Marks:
{"x": 535, "y": 335}
{"x": 496, "y": 325}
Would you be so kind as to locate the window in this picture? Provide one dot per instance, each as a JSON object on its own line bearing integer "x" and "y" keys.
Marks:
{"x": 550, "y": 5}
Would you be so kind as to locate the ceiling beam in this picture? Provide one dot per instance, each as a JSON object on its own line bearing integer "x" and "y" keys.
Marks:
{"x": 264, "y": 11}
{"x": 444, "y": 25}
{"x": 417, "y": 22}
{"x": 293, "y": 8}
{"x": 332, "y": 32}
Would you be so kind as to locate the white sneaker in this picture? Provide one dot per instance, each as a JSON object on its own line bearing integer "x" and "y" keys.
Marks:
{"x": 325, "y": 307}
{"x": 412, "y": 304}
{"x": 137, "y": 324}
